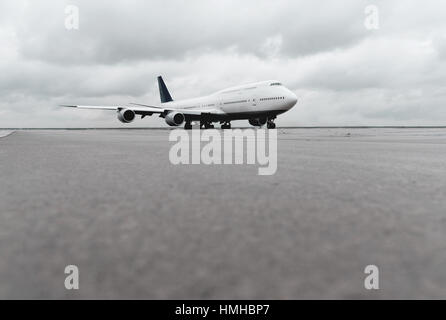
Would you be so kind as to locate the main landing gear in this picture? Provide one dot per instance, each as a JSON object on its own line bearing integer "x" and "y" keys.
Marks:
{"x": 187, "y": 125}
{"x": 209, "y": 125}
{"x": 226, "y": 125}
{"x": 206, "y": 125}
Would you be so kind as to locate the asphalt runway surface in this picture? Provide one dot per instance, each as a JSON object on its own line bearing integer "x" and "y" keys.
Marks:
{"x": 111, "y": 203}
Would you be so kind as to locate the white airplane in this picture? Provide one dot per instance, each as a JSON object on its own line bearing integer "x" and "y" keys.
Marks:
{"x": 258, "y": 102}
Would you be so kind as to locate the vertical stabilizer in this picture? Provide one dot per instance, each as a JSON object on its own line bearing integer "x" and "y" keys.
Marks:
{"x": 164, "y": 93}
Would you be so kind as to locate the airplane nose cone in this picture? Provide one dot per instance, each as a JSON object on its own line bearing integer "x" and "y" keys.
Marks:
{"x": 291, "y": 99}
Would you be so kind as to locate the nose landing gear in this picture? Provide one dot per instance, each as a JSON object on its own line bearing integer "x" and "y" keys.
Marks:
{"x": 270, "y": 123}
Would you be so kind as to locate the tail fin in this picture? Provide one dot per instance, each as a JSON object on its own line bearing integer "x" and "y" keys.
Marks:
{"x": 164, "y": 93}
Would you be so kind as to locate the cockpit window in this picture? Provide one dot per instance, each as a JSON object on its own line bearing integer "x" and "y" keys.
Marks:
{"x": 275, "y": 84}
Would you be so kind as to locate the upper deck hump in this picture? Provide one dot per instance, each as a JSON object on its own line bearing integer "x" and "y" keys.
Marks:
{"x": 247, "y": 86}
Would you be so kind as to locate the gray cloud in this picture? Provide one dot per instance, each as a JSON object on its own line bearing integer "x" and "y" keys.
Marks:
{"x": 156, "y": 30}
{"x": 342, "y": 72}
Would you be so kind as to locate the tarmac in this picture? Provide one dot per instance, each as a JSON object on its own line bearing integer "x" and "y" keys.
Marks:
{"x": 137, "y": 226}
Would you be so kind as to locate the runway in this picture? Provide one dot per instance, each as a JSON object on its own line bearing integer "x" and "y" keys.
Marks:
{"x": 110, "y": 202}
{"x": 5, "y": 133}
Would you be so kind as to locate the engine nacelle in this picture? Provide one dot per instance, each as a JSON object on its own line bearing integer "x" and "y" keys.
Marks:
{"x": 175, "y": 119}
{"x": 126, "y": 115}
{"x": 257, "y": 121}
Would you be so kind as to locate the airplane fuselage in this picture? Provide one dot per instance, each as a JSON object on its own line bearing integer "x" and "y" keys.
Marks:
{"x": 261, "y": 99}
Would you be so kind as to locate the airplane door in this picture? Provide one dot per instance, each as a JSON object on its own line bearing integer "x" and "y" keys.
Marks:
{"x": 253, "y": 104}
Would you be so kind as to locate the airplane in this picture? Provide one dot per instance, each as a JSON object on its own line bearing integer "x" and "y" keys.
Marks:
{"x": 259, "y": 103}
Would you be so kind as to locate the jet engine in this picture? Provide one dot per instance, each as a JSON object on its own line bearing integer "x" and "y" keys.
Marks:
{"x": 257, "y": 121}
{"x": 126, "y": 115}
{"x": 174, "y": 118}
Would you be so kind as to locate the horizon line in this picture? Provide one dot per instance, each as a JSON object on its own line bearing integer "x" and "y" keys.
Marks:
{"x": 285, "y": 127}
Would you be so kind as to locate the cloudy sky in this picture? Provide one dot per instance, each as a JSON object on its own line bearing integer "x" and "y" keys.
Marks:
{"x": 343, "y": 72}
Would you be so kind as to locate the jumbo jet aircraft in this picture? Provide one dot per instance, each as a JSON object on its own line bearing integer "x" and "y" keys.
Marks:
{"x": 258, "y": 102}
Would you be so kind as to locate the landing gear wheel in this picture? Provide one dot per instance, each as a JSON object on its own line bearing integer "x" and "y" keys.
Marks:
{"x": 226, "y": 125}
{"x": 271, "y": 125}
{"x": 208, "y": 126}
{"x": 187, "y": 126}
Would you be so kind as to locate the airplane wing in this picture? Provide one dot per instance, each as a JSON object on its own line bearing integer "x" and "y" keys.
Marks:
{"x": 148, "y": 110}
{"x": 185, "y": 110}
{"x": 198, "y": 111}
{"x": 137, "y": 110}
